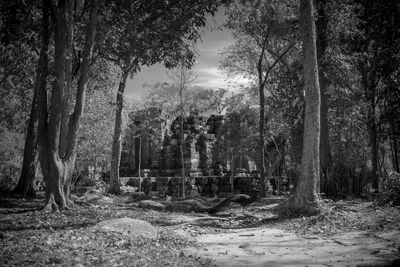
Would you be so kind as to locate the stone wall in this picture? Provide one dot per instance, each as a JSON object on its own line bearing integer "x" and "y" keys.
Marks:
{"x": 199, "y": 135}
{"x": 162, "y": 154}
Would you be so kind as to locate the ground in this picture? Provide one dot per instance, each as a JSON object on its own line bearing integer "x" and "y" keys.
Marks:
{"x": 351, "y": 232}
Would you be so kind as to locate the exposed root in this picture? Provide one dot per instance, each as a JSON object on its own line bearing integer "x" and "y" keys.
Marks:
{"x": 58, "y": 206}
{"x": 303, "y": 206}
{"x": 51, "y": 207}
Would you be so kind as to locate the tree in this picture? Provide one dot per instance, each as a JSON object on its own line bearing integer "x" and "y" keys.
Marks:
{"x": 57, "y": 144}
{"x": 375, "y": 46}
{"x": 237, "y": 137}
{"x": 264, "y": 34}
{"x": 182, "y": 77}
{"x": 146, "y": 33}
{"x": 321, "y": 29}
{"x": 19, "y": 38}
{"x": 205, "y": 101}
{"x": 144, "y": 129}
{"x": 305, "y": 196}
{"x": 94, "y": 142}
{"x": 31, "y": 155}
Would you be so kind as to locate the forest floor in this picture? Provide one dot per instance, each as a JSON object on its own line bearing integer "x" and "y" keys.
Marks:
{"x": 348, "y": 233}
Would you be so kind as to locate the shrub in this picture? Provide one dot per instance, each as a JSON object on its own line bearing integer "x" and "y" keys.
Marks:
{"x": 134, "y": 182}
{"x": 390, "y": 189}
{"x": 11, "y": 155}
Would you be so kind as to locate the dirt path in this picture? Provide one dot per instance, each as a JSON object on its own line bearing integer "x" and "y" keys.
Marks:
{"x": 274, "y": 247}
{"x": 349, "y": 233}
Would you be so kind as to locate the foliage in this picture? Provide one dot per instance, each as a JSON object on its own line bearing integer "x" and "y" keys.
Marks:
{"x": 165, "y": 97}
{"x": 141, "y": 33}
{"x": 11, "y": 151}
{"x": 94, "y": 143}
{"x": 19, "y": 21}
{"x": 136, "y": 34}
{"x": 258, "y": 26}
{"x": 390, "y": 190}
{"x": 237, "y": 136}
{"x": 375, "y": 46}
{"x": 264, "y": 35}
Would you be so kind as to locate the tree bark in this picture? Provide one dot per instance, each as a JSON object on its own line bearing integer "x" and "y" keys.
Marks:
{"x": 262, "y": 80}
{"x": 395, "y": 153}
{"x": 232, "y": 173}
{"x": 57, "y": 169}
{"x": 368, "y": 80}
{"x": 55, "y": 172}
{"x": 30, "y": 161}
{"x": 373, "y": 135}
{"x": 182, "y": 142}
{"x": 305, "y": 197}
{"x": 116, "y": 145}
{"x": 261, "y": 85}
{"x": 324, "y": 149}
{"x": 140, "y": 161}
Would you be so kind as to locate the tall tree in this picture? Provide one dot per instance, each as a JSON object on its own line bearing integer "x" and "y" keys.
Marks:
{"x": 31, "y": 155}
{"x": 94, "y": 142}
{"x": 182, "y": 76}
{"x": 145, "y": 33}
{"x": 57, "y": 164}
{"x": 30, "y": 160}
{"x": 305, "y": 196}
{"x": 322, "y": 39}
{"x": 377, "y": 48}
{"x": 19, "y": 40}
{"x": 264, "y": 34}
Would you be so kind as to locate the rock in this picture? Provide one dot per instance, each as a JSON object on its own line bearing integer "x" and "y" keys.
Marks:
{"x": 129, "y": 226}
{"x": 151, "y": 204}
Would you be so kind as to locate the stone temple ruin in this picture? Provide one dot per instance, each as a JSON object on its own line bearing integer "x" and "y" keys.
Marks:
{"x": 152, "y": 147}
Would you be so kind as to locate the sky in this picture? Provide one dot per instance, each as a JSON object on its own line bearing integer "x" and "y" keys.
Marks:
{"x": 206, "y": 67}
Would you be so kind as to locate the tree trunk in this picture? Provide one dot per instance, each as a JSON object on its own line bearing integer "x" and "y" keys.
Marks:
{"x": 57, "y": 170}
{"x": 140, "y": 162}
{"x": 305, "y": 196}
{"x": 395, "y": 157}
{"x": 232, "y": 173}
{"x": 25, "y": 183}
{"x": 368, "y": 81}
{"x": 116, "y": 145}
{"x": 374, "y": 145}
{"x": 182, "y": 155}
{"x": 324, "y": 149}
{"x": 261, "y": 84}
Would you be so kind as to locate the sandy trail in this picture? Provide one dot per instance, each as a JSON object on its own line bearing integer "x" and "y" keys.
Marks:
{"x": 275, "y": 247}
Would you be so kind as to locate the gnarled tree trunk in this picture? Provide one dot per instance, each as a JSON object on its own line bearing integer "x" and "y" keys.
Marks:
{"x": 58, "y": 163}
{"x": 305, "y": 196}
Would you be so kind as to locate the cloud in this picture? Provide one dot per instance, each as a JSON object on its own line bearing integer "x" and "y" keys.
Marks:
{"x": 205, "y": 67}
{"x": 215, "y": 78}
